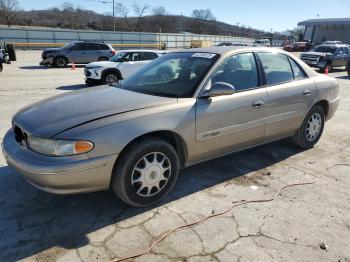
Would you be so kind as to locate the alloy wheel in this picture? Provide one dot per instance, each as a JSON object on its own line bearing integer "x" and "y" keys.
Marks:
{"x": 111, "y": 80}
{"x": 151, "y": 174}
{"x": 313, "y": 127}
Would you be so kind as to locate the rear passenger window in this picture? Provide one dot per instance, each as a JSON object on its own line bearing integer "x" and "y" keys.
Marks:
{"x": 102, "y": 47}
{"x": 297, "y": 71}
{"x": 239, "y": 71}
{"x": 346, "y": 50}
{"x": 276, "y": 67}
{"x": 149, "y": 56}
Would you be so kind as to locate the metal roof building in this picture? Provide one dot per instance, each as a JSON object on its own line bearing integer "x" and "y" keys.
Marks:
{"x": 329, "y": 29}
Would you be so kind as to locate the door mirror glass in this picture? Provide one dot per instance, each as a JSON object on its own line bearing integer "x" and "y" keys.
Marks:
{"x": 219, "y": 89}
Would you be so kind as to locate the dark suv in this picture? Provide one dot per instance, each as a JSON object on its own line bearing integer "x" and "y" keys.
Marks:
{"x": 77, "y": 52}
{"x": 327, "y": 56}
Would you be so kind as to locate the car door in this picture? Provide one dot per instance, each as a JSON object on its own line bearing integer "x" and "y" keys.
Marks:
{"x": 77, "y": 53}
{"x": 290, "y": 94}
{"x": 92, "y": 53}
{"x": 133, "y": 62}
{"x": 230, "y": 122}
{"x": 342, "y": 56}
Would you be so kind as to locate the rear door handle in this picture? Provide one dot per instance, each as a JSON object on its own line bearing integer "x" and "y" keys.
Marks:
{"x": 258, "y": 104}
{"x": 307, "y": 92}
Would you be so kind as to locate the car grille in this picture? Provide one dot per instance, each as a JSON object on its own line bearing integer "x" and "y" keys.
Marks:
{"x": 310, "y": 58}
{"x": 87, "y": 73}
{"x": 20, "y": 135}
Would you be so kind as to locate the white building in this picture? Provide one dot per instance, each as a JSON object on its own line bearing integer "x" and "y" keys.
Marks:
{"x": 329, "y": 29}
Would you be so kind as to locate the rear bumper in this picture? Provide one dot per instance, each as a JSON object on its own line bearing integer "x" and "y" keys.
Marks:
{"x": 59, "y": 175}
{"x": 333, "y": 106}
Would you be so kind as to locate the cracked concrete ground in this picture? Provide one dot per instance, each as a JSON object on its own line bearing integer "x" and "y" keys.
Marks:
{"x": 37, "y": 226}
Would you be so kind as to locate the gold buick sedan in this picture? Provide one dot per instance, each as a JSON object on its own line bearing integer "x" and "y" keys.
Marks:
{"x": 180, "y": 109}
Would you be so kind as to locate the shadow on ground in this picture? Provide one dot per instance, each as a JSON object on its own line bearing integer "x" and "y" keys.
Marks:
{"x": 32, "y": 221}
{"x": 41, "y": 67}
{"x": 71, "y": 87}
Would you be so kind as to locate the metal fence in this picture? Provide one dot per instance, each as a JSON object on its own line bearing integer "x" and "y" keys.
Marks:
{"x": 48, "y": 35}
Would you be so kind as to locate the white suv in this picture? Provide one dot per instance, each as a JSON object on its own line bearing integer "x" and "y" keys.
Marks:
{"x": 120, "y": 66}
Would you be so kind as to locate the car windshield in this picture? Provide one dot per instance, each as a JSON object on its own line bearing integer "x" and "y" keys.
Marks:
{"x": 67, "y": 45}
{"x": 171, "y": 75}
{"x": 119, "y": 57}
{"x": 325, "y": 49}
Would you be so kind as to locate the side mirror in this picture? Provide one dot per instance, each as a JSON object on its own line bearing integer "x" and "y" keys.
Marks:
{"x": 219, "y": 89}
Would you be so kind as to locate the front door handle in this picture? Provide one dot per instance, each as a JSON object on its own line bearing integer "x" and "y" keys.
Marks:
{"x": 307, "y": 92}
{"x": 258, "y": 104}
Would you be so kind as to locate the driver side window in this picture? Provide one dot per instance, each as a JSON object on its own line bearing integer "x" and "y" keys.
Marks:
{"x": 239, "y": 70}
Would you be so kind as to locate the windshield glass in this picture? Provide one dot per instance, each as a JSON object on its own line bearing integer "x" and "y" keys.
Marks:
{"x": 119, "y": 57}
{"x": 325, "y": 49}
{"x": 67, "y": 45}
{"x": 171, "y": 75}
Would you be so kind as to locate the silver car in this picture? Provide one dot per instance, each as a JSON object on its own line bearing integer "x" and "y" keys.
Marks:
{"x": 135, "y": 137}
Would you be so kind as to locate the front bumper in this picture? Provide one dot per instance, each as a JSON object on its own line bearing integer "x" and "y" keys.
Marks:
{"x": 46, "y": 61}
{"x": 93, "y": 73}
{"x": 59, "y": 175}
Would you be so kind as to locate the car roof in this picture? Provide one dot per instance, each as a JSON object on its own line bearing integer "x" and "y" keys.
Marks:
{"x": 334, "y": 45}
{"x": 143, "y": 50}
{"x": 223, "y": 50}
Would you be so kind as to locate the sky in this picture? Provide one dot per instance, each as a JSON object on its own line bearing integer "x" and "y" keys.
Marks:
{"x": 277, "y": 15}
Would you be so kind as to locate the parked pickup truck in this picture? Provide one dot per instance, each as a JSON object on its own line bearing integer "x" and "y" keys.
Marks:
{"x": 327, "y": 56}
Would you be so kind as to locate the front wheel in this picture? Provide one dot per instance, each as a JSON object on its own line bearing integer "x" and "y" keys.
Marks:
{"x": 312, "y": 128}
{"x": 348, "y": 68}
{"x": 1, "y": 67}
{"x": 110, "y": 78}
{"x": 61, "y": 62}
{"x": 146, "y": 172}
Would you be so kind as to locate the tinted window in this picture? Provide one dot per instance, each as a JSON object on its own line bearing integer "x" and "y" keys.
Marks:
{"x": 325, "y": 49}
{"x": 149, "y": 56}
{"x": 102, "y": 47}
{"x": 297, "y": 71}
{"x": 239, "y": 71}
{"x": 346, "y": 50}
{"x": 79, "y": 47}
{"x": 276, "y": 67}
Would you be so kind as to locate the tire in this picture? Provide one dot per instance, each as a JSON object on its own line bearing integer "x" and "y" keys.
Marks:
{"x": 137, "y": 193}
{"x": 348, "y": 68}
{"x": 310, "y": 132}
{"x": 329, "y": 66}
{"x": 110, "y": 78}
{"x": 102, "y": 58}
{"x": 1, "y": 67}
{"x": 60, "y": 62}
{"x": 11, "y": 52}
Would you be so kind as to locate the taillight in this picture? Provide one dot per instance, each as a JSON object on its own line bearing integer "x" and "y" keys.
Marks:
{"x": 113, "y": 52}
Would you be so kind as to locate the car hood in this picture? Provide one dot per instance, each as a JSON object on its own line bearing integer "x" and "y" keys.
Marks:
{"x": 317, "y": 53}
{"x": 52, "y": 50}
{"x": 103, "y": 64}
{"x": 52, "y": 116}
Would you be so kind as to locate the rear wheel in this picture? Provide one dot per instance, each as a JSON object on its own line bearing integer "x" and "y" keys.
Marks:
{"x": 146, "y": 172}
{"x": 60, "y": 62}
{"x": 311, "y": 130}
{"x": 328, "y": 67}
{"x": 1, "y": 67}
{"x": 348, "y": 68}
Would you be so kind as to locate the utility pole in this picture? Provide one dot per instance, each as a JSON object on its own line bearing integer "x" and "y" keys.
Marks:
{"x": 113, "y": 17}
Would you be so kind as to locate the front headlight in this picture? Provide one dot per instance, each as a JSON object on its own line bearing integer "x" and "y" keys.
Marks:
{"x": 54, "y": 147}
{"x": 93, "y": 67}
